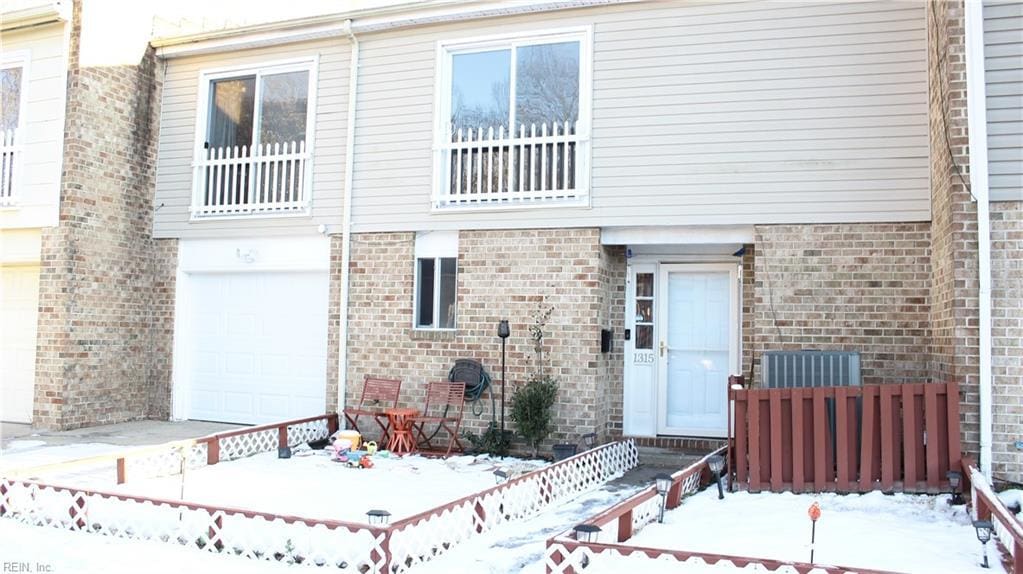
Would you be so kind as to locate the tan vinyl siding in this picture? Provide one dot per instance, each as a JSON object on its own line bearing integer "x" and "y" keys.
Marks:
{"x": 702, "y": 113}
{"x": 1003, "y": 63}
{"x": 41, "y": 135}
{"x": 178, "y": 130}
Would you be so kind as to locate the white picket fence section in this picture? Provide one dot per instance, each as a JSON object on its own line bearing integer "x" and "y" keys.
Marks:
{"x": 10, "y": 150}
{"x": 263, "y": 179}
{"x": 486, "y": 167}
{"x": 424, "y": 537}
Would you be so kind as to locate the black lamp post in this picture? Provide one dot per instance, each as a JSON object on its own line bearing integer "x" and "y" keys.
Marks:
{"x": 663, "y": 483}
{"x": 955, "y": 478}
{"x": 984, "y": 528}
{"x": 503, "y": 331}
{"x": 716, "y": 464}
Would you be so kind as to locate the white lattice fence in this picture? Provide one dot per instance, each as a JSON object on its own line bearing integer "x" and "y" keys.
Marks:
{"x": 242, "y": 533}
{"x": 307, "y": 432}
{"x": 420, "y": 539}
{"x": 568, "y": 556}
{"x": 164, "y": 462}
{"x": 237, "y": 446}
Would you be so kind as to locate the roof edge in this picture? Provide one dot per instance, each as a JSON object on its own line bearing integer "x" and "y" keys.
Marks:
{"x": 29, "y": 16}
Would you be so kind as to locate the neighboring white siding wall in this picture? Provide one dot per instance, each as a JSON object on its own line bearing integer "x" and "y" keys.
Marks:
{"x": 177, "y": 142}
{"x": 702, "y": 114}
{"x": 1003, "y": 63}
{"x": 42, "y": 135}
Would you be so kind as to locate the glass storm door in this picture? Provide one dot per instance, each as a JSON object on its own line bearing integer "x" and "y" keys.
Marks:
{"x": 697, "y": 349}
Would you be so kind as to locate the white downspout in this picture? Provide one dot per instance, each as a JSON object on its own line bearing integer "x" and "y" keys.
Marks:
{"x": 346, "y": 229}
{"x": 976, "y": 95}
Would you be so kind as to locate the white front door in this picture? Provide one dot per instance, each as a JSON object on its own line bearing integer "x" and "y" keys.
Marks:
{"x": 697, "y": 347}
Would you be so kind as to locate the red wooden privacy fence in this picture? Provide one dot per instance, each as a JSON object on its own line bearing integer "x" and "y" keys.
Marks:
{"x": 846, "y": 439}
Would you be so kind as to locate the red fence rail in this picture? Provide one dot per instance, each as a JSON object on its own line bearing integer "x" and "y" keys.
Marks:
{"x": 987, "y": 506}
{"x": 846, "y": 439}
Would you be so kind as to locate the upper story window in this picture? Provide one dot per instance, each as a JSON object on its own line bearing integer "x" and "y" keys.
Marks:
{"x": 254, "y": 141}
{"x": 13, "y": 78}
{"x": 513, "y": 121}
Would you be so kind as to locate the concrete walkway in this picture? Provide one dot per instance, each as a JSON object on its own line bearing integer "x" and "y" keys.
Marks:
{"x": 135, "y": 433}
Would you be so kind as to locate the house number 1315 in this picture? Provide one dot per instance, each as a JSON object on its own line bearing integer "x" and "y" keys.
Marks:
{"x": 642, "y": 358}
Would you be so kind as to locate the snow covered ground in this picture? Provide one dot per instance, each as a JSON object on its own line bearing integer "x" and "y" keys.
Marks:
{"x": 902, "y": 533}
{"x": 317, "y": 487}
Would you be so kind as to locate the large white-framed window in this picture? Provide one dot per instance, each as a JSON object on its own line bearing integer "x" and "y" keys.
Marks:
{"x": 13, "y": 104}
{"x": 512, "y": 122}
{"x": 254, "y": 140}
{"x": 436, "y": 280}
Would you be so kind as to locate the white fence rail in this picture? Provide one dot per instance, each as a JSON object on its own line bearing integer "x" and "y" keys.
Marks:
{"x": 488, "y": 167}
{"x": 10, "y": 150}
{"x": 263, "y": 179}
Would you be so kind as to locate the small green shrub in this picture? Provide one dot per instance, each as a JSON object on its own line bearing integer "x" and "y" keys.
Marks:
{"x": 532, "y": 408}
{"x": 490, "y": 442}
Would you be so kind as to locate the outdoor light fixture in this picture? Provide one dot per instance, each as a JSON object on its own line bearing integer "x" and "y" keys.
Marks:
{"x": 716, "y": 464}
{"x": 955, "y": 478}
{"x": 984, "y": 528}
{"x": 500, "y": 476}
{"x": 587, "y": 532}
{"x": 503, "y": 331}
{"x": 663, "y": 484}
{"x": 378, "y": 517}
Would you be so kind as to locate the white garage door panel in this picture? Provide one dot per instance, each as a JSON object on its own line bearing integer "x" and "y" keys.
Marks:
{"x": 19, "y": 304}
{"x": 258, "y": 346}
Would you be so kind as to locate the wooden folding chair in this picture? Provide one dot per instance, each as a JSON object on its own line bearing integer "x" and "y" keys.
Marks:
{"x": 445, "y": 403}
{"x": 380, "y": 393}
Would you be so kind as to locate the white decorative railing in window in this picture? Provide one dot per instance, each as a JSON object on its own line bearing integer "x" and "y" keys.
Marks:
{"x": 498, "y": 167}
{"x": 264, "y": 179}
{"x": 9, "y": 151}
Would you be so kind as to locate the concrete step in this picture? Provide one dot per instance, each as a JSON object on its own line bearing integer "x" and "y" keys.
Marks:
{"x": 667, "y": 458}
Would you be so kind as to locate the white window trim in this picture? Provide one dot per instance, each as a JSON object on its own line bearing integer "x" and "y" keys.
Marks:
{"x": 18, "y": 59}
{"x": 207, "y": 75}
{"x": 446, "y": 49}
{"x": 435, "y": 245}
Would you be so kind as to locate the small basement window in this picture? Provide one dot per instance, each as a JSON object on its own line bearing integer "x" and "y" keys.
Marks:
{"x": 436, "y": 280}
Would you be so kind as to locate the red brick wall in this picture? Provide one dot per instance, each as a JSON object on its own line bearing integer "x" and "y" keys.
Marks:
{"x": 96, "y": 276}
{"x": 501, "y": 275}
{"x": 855, "y": 287}
{"x": 1007, "y": 337}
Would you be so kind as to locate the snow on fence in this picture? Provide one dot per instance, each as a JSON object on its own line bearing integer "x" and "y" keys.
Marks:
{"x": 266, "y": 178}
{"x": 987, "y": 506}
{"x": 9, "y": 152}
{"x": 422, "y": 537}
{"x": 259, "y": 535}
{"x": 846, "y": 439}
{"x": 499, "y": 166}
{"x": 618, "y": 524}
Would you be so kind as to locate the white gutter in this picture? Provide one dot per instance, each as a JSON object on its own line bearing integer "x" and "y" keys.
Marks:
{"x": 346, "y": 228}
{"x": 977, "y": 123}
{"x": 37, "y": 15}
{"x": 365, "y": 21}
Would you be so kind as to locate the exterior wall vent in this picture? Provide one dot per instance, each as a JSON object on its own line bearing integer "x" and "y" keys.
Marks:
{"x": 799, "y": 369}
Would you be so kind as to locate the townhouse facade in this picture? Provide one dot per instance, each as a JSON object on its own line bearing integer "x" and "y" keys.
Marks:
{"x": 688, "y": 185}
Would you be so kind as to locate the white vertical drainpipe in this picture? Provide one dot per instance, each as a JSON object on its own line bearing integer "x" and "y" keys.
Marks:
{"x": 346, "y": 232}
{"x": 977, "y": 123}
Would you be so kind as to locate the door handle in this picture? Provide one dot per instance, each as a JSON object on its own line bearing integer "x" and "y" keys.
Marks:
{"x": 663, "y": 347}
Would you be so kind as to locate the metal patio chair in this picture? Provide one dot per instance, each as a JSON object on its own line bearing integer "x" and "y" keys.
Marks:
{"x": 445, "y": 404}
{"x": 381, "y": 394}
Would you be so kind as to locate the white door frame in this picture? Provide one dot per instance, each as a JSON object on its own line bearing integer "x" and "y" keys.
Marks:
{"x": 662, "y": 312}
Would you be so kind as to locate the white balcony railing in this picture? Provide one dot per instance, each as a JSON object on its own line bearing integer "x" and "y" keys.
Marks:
{"x": 9, "y": 152}
{"x": 264, "y": 179}
{"x": 498, "y": 168}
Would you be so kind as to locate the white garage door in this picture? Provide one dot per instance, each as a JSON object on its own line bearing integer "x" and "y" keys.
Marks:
{"x": 19, "y": 304}
{"x": 256, "y": 346}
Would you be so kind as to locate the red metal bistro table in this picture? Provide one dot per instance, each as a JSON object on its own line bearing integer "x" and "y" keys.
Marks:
{"x": 401, "y": 420}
